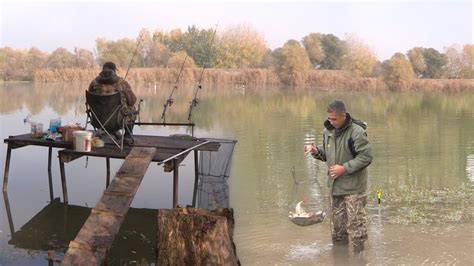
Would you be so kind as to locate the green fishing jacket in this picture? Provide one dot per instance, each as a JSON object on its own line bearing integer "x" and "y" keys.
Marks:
{"x": 349, "y": 147}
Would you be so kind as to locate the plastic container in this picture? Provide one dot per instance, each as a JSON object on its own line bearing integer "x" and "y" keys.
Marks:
{"x": 36, "y": 130}
{"x": 54, "y": 124}
{"x": 82, "y": 140}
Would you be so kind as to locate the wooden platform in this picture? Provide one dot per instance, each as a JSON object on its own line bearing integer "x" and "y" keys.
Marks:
{"x": 96, "y": 236}
{"x": 169, "y": 148}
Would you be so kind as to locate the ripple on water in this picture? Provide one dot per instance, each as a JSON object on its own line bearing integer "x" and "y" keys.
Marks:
{"x": 306, "y": 252}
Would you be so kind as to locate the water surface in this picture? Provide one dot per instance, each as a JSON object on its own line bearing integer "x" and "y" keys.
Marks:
{"x": 423, "y": 145}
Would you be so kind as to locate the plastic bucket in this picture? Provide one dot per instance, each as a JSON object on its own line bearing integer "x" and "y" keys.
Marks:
{"x": 82, "y": 140}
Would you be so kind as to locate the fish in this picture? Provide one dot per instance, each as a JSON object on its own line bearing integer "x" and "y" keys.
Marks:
{"x": 301, "y": 217}
{"x": 299, "y": 211}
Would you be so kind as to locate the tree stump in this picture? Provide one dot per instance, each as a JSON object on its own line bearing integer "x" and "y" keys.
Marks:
{"x": 196, "y": 237}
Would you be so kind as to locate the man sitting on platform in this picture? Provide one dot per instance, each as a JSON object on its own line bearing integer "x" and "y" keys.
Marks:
{"x": 108, "y": 82}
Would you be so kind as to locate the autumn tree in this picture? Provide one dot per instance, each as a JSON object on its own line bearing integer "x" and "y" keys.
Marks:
{"x": 34, "y": 60}
{"x": 291, "y": 63}
{"x": 454, "y": 64}
{"x": 360, "y": 59}
{"x": 12, "y": 66}
{"x": 172, "y": 40}
{"x": 267, "y": 60}
{"x": 314, "y": 48}
{"x": 417, "y": 60}
{"x": 144, "y": 44}
{"x": 158, "y": 55}
{"x": 467, "y": 71}
{"x": 155, "y": 53}
{"x": 240, "y": 46}
{"x": 427, "y": 62}
{"x": 120, "y": 52}
{"x": 397, "y": 69}
{"x": 84, "y": 58}
{"x": 177, "y": 60}
{"x": 61, "y": 58}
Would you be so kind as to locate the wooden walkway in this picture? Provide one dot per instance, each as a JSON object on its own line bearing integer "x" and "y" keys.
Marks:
{"x": 96, "y": 236}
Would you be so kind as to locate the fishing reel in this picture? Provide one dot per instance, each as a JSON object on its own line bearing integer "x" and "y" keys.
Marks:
{"x": 169, "y": 102}
{"x": 195, "y": 102}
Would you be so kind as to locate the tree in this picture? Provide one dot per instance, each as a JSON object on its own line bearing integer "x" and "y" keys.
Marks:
{"x": 360, "y": 59}
{"x": 454, "y": 66}
{"x": 467, "y": 70}
{"x": 173, "y": 40}
{"x": 177, "y": 59}
{"x": 314, "y": 48}
{"x": 84, "y": 58}
{"x": 143, "y": 49}
{"x": 291, "y": 62}
{"x": 267, "y": 60}
{"x": 61, "y": 58}
{"x": 120, "y": 52}
{"x": 200, "y": 45}
{"x": 334, "y": 51}
{"x": 158, "y": 55}
{"x": 12, "y": 66}
{"x": 240, "y": 46}
{"x": 427, "y": 62}
{"x": 417, "y": 60}
{"x": 435, "y": 61}
{"x": 34, "y": 60}
{"x": 397, "y": 69}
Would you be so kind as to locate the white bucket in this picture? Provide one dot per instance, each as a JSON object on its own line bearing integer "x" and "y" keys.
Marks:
{"x": 82, "y": 140}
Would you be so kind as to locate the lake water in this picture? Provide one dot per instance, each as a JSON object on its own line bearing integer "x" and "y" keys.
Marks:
{"x": 423, "y": 145}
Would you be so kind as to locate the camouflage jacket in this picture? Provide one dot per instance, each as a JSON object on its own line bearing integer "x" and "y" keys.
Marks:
{"x": 349, "y": 147}
{"x": 108, "y": 82}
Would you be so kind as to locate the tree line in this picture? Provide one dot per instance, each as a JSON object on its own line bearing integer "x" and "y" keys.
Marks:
{"x": 243, "y": 47}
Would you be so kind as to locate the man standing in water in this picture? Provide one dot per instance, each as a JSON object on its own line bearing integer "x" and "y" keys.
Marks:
{"x": 347, "y": 152}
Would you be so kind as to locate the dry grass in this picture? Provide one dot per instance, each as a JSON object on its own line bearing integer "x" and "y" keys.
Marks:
{"x": 317, "y": 79}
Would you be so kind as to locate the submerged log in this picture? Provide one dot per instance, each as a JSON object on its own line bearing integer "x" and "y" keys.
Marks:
{"x": 196, "y": 237}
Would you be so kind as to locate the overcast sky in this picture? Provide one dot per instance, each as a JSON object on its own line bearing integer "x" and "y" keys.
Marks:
{"x": 387, "y": 26}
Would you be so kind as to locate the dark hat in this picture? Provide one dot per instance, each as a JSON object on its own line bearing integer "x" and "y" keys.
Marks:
{"x": 110, "y": 65}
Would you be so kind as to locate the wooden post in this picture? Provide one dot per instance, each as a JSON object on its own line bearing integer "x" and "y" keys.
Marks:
{"x": 50, "y": 175}
{"x": 195, "y": 237}
{"x": 9, "y": 213}
{"x": 175, "y": 182}
{"x": 196, "y": 176}
{"x": 7, "y": 168}
{"x": 107, "y": 181}
{"x": 63, "y": 180}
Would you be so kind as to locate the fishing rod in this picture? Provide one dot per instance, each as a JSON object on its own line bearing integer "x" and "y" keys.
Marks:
{"x": 170, "y": 100}
{"x": 194, "y": 102}
{"x": 133, "y": 56}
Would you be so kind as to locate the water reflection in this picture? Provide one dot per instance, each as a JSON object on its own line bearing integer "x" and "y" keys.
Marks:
{"x": 53, "y": 227}
{"x": 470, "y": 167}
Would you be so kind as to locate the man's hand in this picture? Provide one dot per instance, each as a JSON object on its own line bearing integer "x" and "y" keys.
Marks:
{"x": 336, "y": 170}
{"x": 310, "y": 149}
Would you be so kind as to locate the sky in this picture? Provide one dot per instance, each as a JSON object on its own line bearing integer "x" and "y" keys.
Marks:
{"x": 387, "y": 26}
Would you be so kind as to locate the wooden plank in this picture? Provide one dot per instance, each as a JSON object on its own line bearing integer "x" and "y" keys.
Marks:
{"x": 97, "y": 234}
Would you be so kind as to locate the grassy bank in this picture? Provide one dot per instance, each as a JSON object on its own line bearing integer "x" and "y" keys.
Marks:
{"x": 319, "y": 79}
{"x": 428, "y": 206}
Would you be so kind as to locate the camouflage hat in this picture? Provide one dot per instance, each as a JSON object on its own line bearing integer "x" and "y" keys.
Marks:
{"x": 110, "y": 65}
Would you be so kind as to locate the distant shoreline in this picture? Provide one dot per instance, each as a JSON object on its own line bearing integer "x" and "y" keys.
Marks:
{"x": 330, "y": 80}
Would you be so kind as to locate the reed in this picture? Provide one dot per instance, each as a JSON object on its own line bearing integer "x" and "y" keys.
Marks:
{"x": 315, "y": 79}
